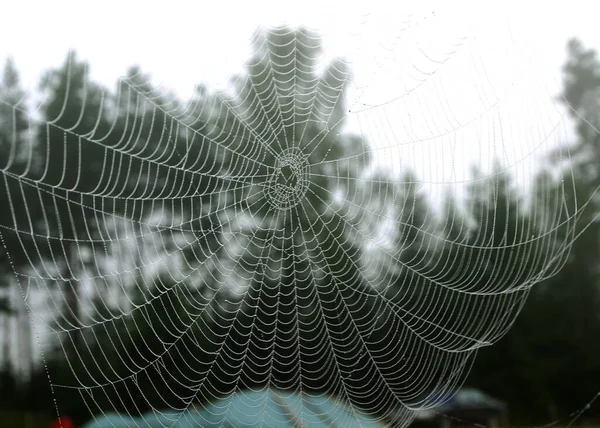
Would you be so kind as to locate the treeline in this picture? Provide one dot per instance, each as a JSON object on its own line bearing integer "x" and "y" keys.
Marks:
{"x": 547, "y": 366}
{"x": 139, "y": 218}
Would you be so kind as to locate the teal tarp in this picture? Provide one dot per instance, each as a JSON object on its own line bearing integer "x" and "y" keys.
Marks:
{"x": 267, "y": 408}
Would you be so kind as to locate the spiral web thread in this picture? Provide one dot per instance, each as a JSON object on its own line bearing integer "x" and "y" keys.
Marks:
{"x": 246, "y": 240}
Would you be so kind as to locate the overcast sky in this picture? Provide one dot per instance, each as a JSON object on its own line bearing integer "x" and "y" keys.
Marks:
{"x": 494, "y": 70}
{"x": 183, "y": 42}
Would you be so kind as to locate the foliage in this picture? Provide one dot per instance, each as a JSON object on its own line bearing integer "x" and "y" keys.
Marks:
{"x": 551, "y": 352}
{"x": 481, "y": 246}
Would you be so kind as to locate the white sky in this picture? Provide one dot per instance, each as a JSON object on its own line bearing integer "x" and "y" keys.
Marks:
{"x": 498, "y": 84}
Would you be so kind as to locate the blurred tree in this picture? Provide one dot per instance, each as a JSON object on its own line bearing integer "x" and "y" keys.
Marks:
{"x": 224, "y": 182}
{"x": 72, "y": 167}
{"x": 574, "y": 292}
{"x": 513, "y": 242}
{"x": 550, "y": 354}
{"x": 302, "y": 250}
{"x": 299, "y": 262}
{"x": 15, "y": 191}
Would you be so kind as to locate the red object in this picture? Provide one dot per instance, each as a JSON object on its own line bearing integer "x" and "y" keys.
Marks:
{"x": 63, "y": 422}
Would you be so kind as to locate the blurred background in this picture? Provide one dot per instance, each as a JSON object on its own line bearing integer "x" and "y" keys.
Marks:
{"x": 466, "y": 141}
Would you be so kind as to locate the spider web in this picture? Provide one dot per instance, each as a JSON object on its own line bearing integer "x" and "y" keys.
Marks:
{"x": 271, "y": 236}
